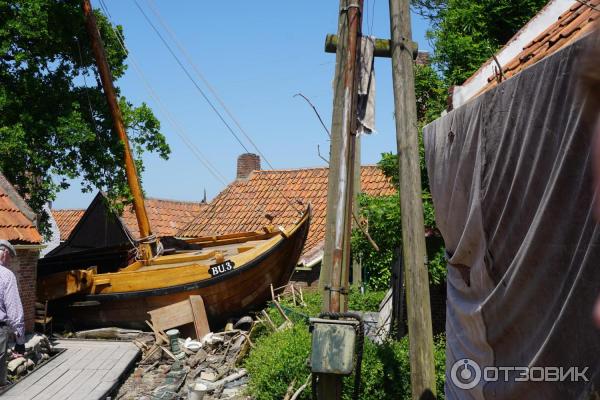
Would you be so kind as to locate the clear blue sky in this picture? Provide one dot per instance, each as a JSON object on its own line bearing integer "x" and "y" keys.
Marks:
{"x": 257, "y": 55}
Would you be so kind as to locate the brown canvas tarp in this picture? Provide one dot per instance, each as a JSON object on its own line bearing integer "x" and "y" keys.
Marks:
{"x": 510, "y": 175}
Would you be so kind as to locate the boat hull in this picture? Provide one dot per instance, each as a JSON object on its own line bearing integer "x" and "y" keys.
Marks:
{"x": 225, "y": 296}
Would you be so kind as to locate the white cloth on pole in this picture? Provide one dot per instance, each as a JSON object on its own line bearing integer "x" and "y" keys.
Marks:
{"x": 366, "y": 86}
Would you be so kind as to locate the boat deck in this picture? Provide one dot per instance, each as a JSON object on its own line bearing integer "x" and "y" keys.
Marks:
{"x": 87, "y": 370}
{"x": 227, "y": 250}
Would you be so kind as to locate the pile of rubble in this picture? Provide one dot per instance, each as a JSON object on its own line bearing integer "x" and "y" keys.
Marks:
{"x": 37, "y": 350}
{"x": 173, "y": 368}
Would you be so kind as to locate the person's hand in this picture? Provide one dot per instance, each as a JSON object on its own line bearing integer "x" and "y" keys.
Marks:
{"x": 19, "y": 349}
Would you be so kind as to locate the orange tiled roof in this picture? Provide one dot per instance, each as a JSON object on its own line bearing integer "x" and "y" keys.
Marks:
{"x": 15, "y": 226}
{"x": 571, "y": 25}
{"x": 66, "y": 221}
{"x": 167, "y": 217}
{"x": 243, "y": 204}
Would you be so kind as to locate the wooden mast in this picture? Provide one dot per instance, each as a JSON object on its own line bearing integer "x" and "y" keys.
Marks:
{"x": 119, "y": 126}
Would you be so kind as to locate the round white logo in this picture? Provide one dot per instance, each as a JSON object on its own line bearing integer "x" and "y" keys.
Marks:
{"x": 465, "y": 374}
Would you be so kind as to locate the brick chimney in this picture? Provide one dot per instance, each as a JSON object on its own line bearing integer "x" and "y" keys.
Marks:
{"x": 246, "y": 163}
{"x": 423, "y": 58}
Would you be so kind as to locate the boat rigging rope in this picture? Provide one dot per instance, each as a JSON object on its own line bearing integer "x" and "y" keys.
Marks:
{"x": 189, "y": 59}
{"x": 203, "y": 159}
{"x": 187, "y": 73}
{"x": 179, "y": 130}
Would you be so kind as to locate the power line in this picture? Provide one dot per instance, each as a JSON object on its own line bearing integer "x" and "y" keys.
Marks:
{"x": 212, "y": 106}
{"x": 291, "y": 202}
{"x": 188, "y": 58}
{"x": 177, "y": 127}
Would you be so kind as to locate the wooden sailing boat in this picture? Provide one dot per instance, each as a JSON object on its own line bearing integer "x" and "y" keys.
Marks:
{"x": 233, "y": 273}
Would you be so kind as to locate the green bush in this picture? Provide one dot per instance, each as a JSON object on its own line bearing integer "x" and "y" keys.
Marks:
{"x": 368, "y": 301}
{"x": 277, "y": 360}
{"x": 386, "y": 370}
{"x": 281, "y": 357}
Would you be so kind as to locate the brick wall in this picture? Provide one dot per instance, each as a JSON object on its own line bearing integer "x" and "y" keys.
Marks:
{"x": 24, "y": 266}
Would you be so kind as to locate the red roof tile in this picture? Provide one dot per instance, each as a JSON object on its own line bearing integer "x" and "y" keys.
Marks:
{"x": 15, "y": 225}
{"x": 242, "y": 206}
{"x": 571, "y": 25}
{"x": 167, "y": 217}
{"x": 66, "y": 221}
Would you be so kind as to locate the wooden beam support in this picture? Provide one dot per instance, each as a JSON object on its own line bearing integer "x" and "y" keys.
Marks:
{"x": 383, "y": 47}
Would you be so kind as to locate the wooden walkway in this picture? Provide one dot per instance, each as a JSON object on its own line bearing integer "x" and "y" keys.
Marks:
{"x": 87, "y": 370}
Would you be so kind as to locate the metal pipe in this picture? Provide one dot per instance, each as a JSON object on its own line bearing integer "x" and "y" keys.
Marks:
{"x": 119, "y": 126}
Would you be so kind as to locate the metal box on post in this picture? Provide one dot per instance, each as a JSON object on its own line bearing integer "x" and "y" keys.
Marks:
{"x": 333, "y": 344}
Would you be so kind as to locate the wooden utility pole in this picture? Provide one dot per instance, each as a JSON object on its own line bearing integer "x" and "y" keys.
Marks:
{"x": 118, "y": 125}
{"x": 335, "y": 269}
{"x": 336, "y": 257}
{"x": 356, "y": 264}
{"x": 422, "y": 369}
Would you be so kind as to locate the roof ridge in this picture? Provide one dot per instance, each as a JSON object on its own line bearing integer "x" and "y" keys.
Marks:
{"x": 175, "y": 201}
{"x": 302, "y": 169}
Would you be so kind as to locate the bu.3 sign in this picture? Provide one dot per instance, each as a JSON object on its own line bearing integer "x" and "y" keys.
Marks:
{"x": 221, "y": 268}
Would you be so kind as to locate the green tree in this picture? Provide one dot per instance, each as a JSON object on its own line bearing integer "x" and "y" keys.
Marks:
{"x": 466, "y": 33}
{"x": 431, "y": 94}
{"x": 54, "y": 121}
{"x": 383, "y": 219}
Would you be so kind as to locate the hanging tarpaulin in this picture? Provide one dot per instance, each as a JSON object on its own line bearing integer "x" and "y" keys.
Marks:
{"x": 510, "y": 175}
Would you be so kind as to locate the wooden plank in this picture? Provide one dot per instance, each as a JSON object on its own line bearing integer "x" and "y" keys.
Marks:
{"x": 39, "y": 386}
{"x": 82, "y": 353}
{"x": 173, "y": 315}
{"x": 200, "y": 318}
{"x": 84, "y": 390}
{"x": 85, "y": 362}
{"x": 99, "y": 359}
{"x": 101, "y": 390}
{"x": 112, "y": 360}
{"x": 126, "y": 358}
{"x": 76, "y": 383}
{"x": 64, "y": 380}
